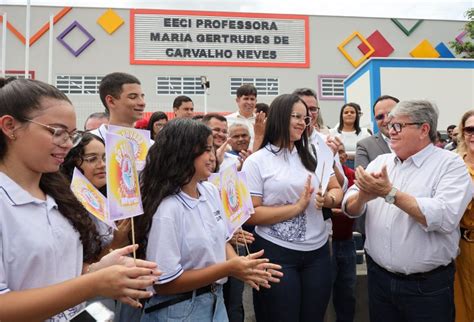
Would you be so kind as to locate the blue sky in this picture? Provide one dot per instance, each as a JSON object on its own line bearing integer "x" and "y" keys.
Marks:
{"x": 419, "y": 9}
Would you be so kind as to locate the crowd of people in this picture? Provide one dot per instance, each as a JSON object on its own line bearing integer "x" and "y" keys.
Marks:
{"x": 411, "y": 200}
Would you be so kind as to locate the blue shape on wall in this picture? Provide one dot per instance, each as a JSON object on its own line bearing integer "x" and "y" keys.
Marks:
{"x": 444, "y": 51}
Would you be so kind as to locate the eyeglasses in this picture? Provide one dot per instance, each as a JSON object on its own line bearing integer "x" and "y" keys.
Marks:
{"x": 397, "y": 127}
{"x": 468, "y": 130}
{"x": 94, "y": 159}
{"x": 299, "y": 117}
{"x": 314, "y": 109}
{"x": 60, "y": 135}
{"x": 380, "y": 117}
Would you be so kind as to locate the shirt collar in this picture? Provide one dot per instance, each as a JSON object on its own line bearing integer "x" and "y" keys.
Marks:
{"x": 240, "y": 116}
{"x": 190, "y": 202}
{"x": 419, "y": 158}
{"x": 276, "y": 150}
{"x": 18, "y": 196}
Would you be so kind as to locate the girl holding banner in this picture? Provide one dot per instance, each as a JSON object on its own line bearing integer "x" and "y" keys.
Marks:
{"x": 184, "y": 228}
{"x": 89, "y": 157}
{"x": 289, "y": 222}
{"x": 46, "y": 236}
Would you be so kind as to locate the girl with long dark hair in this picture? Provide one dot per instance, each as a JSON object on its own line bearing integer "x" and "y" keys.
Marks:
{"x": 89, "y": 157}
{"x": 47, "y": 238}
{"x": 183, "y": 228}
{"x": 349, "y": 130}
{"x": 288, "y": 217}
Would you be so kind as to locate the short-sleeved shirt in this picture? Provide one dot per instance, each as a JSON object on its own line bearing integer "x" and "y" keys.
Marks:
{"x": 229, "y": 159}
{"x": 188, "y": 233}
{"x": 279, "y": 179}
{"x": 38, "y": 245}
{"x": 440, "y": 184}
{"x": 350, "y": 139}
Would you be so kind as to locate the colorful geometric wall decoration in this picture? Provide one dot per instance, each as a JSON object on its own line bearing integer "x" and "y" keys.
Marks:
{"x": 424, "y": 50}
{"x": 379, "y": 43}
{"x": 110, "y": 21}
{"x": 41, "y": 31}
{"x": 346, "y": 54}
{"x": 406, "y": 31}
{"x": 459, "y": 38}
{"x": 444, "y": 51}
{"x": 66, "y": 31}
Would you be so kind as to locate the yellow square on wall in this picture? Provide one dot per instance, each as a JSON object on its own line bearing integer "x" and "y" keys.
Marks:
{"x": 424, "y": 50}
{"x": 110, "y": 21}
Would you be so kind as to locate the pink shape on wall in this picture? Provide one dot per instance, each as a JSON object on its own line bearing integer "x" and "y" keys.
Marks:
{"x": 381, "y": 45}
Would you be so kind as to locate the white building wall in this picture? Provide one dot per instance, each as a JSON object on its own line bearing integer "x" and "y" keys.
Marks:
{"x": 109, "y": 53}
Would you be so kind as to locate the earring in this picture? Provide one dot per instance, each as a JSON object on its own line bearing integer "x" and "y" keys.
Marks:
{"x": 13, "y": 137}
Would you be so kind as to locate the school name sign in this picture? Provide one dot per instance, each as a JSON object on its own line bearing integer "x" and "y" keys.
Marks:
{"x": 163, "y": 37}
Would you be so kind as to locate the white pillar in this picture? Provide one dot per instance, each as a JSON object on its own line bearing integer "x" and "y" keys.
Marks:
{"x": 4, "y": 45}
{"x": 50, "y": 50}
{"x": 27, "y": 38}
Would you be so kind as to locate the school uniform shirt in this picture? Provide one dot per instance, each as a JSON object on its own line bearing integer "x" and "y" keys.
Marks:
{"x": 279, "y": 179}
{"x": 440, "y": 183}
{"x": 188, "y": 233}
{"x": 229, "y": 159}
{"x": 38, "y": 245}
{"x": 101, "y": 132}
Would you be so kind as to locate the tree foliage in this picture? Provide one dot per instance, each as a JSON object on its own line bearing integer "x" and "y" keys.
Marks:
{"x": 466, "y": 49}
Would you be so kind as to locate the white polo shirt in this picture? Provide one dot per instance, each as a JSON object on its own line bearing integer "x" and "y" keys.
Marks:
{"x": 188, "y": 233}
{"x": 279, "y": 178}
{"x": 38, "y": 245}
{"x": 229, "y": 159}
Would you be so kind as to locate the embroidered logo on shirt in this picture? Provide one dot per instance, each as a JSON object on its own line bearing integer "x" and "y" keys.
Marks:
{"x": 217, "y": 214}
{"x": 291, "y": 230}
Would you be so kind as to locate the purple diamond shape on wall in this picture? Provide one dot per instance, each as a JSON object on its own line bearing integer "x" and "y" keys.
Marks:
{"x": 460, "y": 37}
{"x": 66, "y": 31}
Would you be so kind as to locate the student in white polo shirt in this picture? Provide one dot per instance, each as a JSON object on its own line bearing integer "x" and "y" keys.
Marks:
{"x": 289, "y": 221}
{"x": 183, "y": 227}
{"x": 123, "y": 99}
{"x": 45, "y": 234}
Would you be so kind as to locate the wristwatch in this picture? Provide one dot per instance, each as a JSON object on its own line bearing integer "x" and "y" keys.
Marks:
{"x": 390, "y": 197}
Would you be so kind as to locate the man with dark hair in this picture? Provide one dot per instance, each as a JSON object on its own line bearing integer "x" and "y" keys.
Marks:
{"x": 369, "y": 148}
{"x": 218, "y": 125}
{"x": 449, "y": 131}
{"x": 183, "y": 107}
{"x": 123, "y": 100}
{"x": 246, "y": 100}
{"x": 262, "y": 107}
{"x": 453, "y": 145}
{"x": 95, "y": 120}
{"x": 414, "y": 199}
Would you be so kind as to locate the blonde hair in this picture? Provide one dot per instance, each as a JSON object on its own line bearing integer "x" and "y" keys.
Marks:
{"x": 462, "y": 148}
